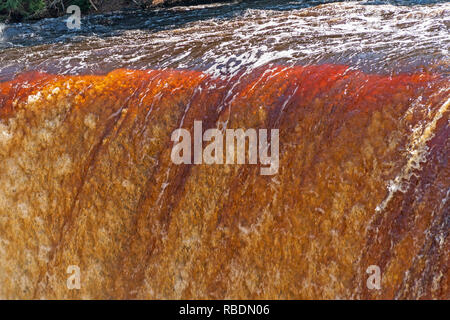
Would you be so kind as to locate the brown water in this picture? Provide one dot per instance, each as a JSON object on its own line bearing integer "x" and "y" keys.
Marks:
{"x": 359, "y": 92}
{"x": 223, "y": 39}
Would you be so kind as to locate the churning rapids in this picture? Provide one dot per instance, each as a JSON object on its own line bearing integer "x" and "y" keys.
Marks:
{"x": 358, "y": 90}
{"x": 222, "y": 39}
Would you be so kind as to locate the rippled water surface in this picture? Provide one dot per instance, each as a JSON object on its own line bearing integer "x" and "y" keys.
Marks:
{"x": 359, "y": 92}
{"x": 224, "y": 38}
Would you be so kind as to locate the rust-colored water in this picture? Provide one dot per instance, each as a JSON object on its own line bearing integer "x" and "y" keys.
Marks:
{"x": 86, "y": 179}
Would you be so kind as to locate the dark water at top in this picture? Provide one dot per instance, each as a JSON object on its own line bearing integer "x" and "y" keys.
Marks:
{"x": 225, "y": 38}
{"x": 85, "y": 171}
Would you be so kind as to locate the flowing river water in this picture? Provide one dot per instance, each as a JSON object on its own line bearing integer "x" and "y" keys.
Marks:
{"x": 359, "y": 91}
